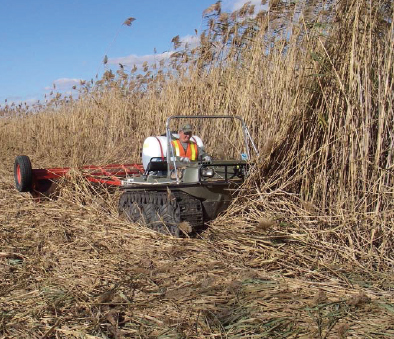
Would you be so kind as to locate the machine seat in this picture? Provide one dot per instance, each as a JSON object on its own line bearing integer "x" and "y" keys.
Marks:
{"x": 157, "y": 164}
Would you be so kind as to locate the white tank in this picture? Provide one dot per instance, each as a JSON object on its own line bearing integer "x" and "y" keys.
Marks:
{"x": 156, "y": 147}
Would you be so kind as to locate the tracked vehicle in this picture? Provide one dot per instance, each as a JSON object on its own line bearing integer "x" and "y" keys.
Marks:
{"x": 165, "y": 192}
{"x": 176, "y": 197}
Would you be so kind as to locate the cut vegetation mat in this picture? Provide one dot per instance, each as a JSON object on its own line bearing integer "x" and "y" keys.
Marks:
{"x": 72, "y": 270}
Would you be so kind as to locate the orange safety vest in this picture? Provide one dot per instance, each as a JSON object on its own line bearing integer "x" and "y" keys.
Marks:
{"x": 191, "y": 151}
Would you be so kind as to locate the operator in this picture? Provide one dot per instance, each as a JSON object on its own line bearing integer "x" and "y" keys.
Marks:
{"x": 186, "y": 148}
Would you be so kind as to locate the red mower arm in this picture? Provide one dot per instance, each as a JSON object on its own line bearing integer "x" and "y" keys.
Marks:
{"x": 39, "y": 181}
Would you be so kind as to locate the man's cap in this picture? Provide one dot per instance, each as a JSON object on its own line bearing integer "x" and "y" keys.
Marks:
{"x": 186, "y": 128}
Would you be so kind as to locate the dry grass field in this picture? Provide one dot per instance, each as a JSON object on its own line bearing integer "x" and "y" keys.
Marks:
{"x": 305, "y": 250}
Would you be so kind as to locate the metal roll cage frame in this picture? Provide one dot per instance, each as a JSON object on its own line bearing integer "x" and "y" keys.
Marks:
{"x": 171, "y": 159}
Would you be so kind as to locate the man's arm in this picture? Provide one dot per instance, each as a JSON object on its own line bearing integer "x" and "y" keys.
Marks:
{"x": 202, "y": 155}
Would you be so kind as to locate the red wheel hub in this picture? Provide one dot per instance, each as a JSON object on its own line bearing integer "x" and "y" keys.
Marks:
{"x": 18, "y": 174}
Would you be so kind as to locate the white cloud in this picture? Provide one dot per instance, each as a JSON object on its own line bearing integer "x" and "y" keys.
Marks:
{"x": 133, "y": 59}
{"x": 64, "y": 83}
{"x": 191, "y": 40}
{"x": 31, "y": 101}
{"x": 13, "y": 99}
{"x": 234, "y": 5}
{"x": 17, "y": 100}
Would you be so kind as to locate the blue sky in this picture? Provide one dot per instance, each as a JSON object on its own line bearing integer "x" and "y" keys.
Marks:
{"x": 43, "y": 42}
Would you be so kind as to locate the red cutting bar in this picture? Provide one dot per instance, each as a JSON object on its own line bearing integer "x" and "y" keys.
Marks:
{"x": 50, "y": 173}
{"x": 113, "y": 170}
{"x": 117, "y": 171}
{"x": 114, "y": 182}
{"x": 113, "y": 166}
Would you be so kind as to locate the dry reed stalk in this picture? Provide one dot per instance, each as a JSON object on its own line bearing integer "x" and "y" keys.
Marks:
{"x": 316, "y": 215}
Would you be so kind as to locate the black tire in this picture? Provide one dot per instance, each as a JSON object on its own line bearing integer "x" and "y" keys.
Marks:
{"x": 135, "y": 213}
{"x": 169, "y": 219}
{"x": 129, "y": 209}
{"x": 163, "y": 218}
{"x": 123, "y": 201}
{"x": 23, "y": 173}
{"x": 153, "y": 209}
{"x": 150, "y": 216}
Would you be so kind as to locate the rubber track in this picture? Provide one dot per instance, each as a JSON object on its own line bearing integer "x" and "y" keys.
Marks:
{"x": 190, "y": 207}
